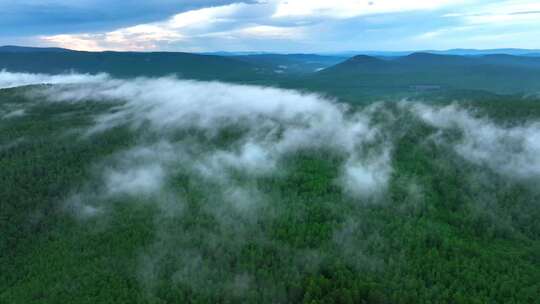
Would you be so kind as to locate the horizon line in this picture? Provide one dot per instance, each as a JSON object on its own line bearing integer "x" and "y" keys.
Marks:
{"x": 279, "y": 52}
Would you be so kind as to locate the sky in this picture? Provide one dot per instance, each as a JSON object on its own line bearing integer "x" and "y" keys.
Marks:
{"x": 270, "y": 25}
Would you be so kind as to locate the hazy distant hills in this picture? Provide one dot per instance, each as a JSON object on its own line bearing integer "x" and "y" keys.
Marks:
{"x": 473, "y": 52}
{"x": 420, "y": 71}
{"x": 291, "y": 63}
{"x": 25, "y": 49}
{"x": 456, "y": 52}
{"x": 200, "y": 66}
{"x": 429, "y": 60}
{"x": 337, "y": 75}
{"x": 128, "y": 64}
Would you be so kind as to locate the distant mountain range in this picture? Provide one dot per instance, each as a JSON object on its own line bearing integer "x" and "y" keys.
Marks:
{"x": 291, "y": 63}
{"x": 505, "y": 74}
{"x": 457, "y": 52}
{"x": 431, "y": 61}
{"x": 126, "y": 64}
{"x": 338, "y": 75}
{"x": 190, "y": 65}
{"x": 26, "y": 49}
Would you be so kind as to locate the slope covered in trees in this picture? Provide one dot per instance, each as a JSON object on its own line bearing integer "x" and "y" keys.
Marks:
{"x": 128, "y": 64}
{"x": 167, "y": 191}
{"x": 368, "y": 77}
{"x": 502, "y": 74}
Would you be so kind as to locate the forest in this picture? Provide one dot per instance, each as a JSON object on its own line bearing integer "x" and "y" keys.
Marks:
{"x": 161, "y": 190}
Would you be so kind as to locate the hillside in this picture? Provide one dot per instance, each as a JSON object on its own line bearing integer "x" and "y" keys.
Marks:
{"x": 350, "y": 79}
{"x": 170, "y": 191}
{"x": 128, "y": 64}
{"x": 532, "y": 62}
{"x": 455, "y": 52}
{"x": 360, "y": 64}
{"x": 493, "y": 73}
{"x": 291, "y": 63}
{"x": 25, "y": 49}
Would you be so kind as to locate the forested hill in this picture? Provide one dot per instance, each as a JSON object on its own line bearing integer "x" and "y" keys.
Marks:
{"x": 494, "y": 73}
{"x": 26, "y": 49}
{"x": 349, "y": 79}
{"x": 172, "y": 191}
{"x": 128, "y": 64}
{"x": 425, "y": 61}
{"x": 291, "y": 63}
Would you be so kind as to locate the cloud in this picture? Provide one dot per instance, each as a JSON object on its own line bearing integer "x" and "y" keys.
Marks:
{"x": 9, "y": 80}
{"x": 146, "y": 36}
{"x": 271, "y": 25}
{"x": 83, "y": 42}
{"x": 14, "y": 113}
{"x": 444, "y": 32}
{"x": 500, "y": 24}
{"x": 207, "y": 153}
{"x": 245, "y": 24}
{"x": 353, "y": 8}
{"x": 368, "y": 176}
{"x": 232, "y": 21}
{"x": 513, "y": 151}
{"x": 252, "y": 157}
{"x": 270, "y": 124}
{"x": 271, "y": 32}
{"x": 78, "y": 206}
{"x": 143, "y": 179}
{"x": 504, "y": 13}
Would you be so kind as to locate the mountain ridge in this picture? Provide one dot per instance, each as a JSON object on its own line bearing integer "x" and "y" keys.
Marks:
{"x": 129, "y": 64}
{"x": 455, "y": 51}
{"x": 26, "y": 49}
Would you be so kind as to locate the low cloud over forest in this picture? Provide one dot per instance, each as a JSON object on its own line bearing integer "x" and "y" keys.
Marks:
{"x": 233, "y": 176}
